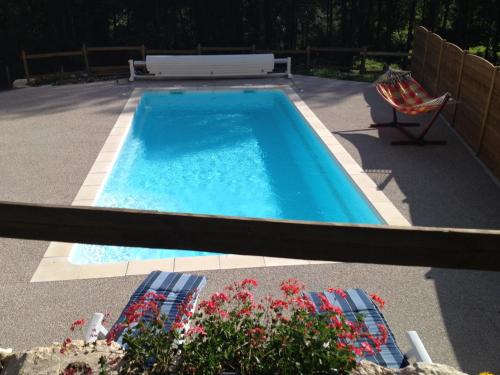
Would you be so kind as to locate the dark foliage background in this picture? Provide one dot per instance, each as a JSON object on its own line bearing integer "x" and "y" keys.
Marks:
{"x": 387, "y": 25}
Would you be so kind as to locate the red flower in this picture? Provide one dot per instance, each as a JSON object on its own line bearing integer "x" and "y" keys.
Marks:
{"x": 153, "y": 296}
{"x": 356, "y": 350}
{"x": 340, "y": 292}
{"x": 257, "y": 335}
{"x": 327, "y": 306}
{"x": 244, "y": 296}
{"x": 197, "y": 330}
{"x": 246, "y": 282}
{"x": 208, "y": 307}
{"x": 223, "y": 314}
{"x": 378, "y": 300}
{"x": 177, "y": 325}
{"x": 135, "y": 312}
{"x": 304, "y": 303}
{"x": 367, "y": 348}
{"x": 256, "y": 331}
{"x": 113, "y": 332}
{"x": 64, "y": 347}
{"x": 279, "y": 304}
{"x": 77, "y": 323}
{"x": 291, "y": 287}
{"x": 219, "y": 297}
{"x": 247, "y": 311}
{"x": 383, "y": 333}
{"x": 335, "y": 323}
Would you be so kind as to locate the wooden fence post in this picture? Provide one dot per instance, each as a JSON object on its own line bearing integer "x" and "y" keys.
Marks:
{"x": 198, "y": 47}
{"x": 362, "y": 63}
{"x": 308, "y": 57}
{"x": 443, "y": 41}
{"x": 459, "y": 81}
{"x": 487, "y": 108}
{"x": 85, "y": 58}
{"x": 143, "y": 52}
{"x": 25, "y": 63}
{"x": 425, "y": 55}
{"x": 7, "y": 77}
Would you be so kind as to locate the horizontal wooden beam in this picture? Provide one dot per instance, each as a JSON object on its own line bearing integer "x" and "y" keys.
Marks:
{"x": 243, "y": 48}
{"x": 111, "y": 48}
{"x": 397, "y": 54}
{"x": 172, "y": 51}
{"x": 408, "y": 246}
{"x": 282, "y": 51}
{"x": 335, "y": 49}
{"x": 53, "y": 54}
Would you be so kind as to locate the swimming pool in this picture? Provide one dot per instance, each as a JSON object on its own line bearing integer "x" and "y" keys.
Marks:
{"x": 239, "y": 153}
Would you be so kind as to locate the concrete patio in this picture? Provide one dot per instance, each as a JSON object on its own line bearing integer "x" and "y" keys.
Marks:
{"x": 50, "y": 137}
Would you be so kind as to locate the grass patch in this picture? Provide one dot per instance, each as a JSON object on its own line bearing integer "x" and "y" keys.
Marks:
{"x": 481, "y": 51}
{"x": 351, "y": 75}
{"x": 373, "y": 68}
{"x": 58, "y": 79}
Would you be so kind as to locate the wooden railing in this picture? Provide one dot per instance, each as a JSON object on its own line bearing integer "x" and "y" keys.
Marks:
{"x": 442, "y": 66}
{"x": 407, "y": 246}
{"x": 142, "y": 51}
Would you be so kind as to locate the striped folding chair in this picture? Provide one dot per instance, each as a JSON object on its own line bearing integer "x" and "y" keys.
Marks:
{"x": 356, "y": 303}
{"x": 407, "y": 96}
{"x": 176, "y": 287}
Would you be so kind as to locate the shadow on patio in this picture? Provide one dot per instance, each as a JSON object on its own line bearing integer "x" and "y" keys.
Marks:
{"x": 440, "y": 186}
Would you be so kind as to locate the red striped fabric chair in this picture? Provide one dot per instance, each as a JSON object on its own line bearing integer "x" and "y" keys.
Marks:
{"x": 406, "y": 95}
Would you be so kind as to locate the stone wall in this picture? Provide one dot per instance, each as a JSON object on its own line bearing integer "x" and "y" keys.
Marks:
{"x": 84, "y": 359}
{"x": 49, "y": 360}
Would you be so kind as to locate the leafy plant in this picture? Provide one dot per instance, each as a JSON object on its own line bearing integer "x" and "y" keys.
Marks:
{"x": 287, "y": 336}
{"x": 233, "y": 332}
{"x": 149, "y": 346}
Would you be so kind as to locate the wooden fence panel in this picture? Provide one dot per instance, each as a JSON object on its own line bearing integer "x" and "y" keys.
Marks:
{"x": 449, "y": 76}
{"x": 474, "y": 93}
{"x": 490, "y": 147}
{"x": 417, "y": 57}
{"x": 432, "y": 60}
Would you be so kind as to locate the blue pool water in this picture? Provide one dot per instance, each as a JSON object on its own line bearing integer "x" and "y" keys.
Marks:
{"x": 238, "y": 153}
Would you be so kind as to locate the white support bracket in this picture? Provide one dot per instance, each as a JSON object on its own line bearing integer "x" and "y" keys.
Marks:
{"x": 132, "y": 70}
{"x": 288, "y": 62}
{"x": 417, "y": 351}
{"x": 132, "y": 65}
{"x": 95, "y": 329}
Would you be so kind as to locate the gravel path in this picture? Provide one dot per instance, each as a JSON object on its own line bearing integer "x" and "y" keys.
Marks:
{"x": 50, "y": 136}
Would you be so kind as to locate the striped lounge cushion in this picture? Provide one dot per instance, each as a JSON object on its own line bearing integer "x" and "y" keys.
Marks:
{"x": 174, "y": 286}
{"x": 358, "y": 303}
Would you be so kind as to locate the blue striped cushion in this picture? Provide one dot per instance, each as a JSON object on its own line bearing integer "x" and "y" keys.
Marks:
{"x": 174, "y": 286}
{"x": 359, "y": 303}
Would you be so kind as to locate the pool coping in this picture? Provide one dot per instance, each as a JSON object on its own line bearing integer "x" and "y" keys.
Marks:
{"x": 55, "y": 264}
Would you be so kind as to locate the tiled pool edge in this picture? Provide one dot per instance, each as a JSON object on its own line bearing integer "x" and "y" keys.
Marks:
{"x": 385, "y": 208}
{"x": 55, "y": 264}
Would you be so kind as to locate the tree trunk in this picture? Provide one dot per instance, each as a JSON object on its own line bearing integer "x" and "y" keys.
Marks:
{"x": 262, "y": 24}
{"x": 444, "y": 20}
{"x": 411, "y": 23}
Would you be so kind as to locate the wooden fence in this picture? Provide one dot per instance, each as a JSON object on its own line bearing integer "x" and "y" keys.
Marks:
{"x": 408, "y": 246}
{"x": 442, "y": 66}
{"x": 141, "y": 51}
